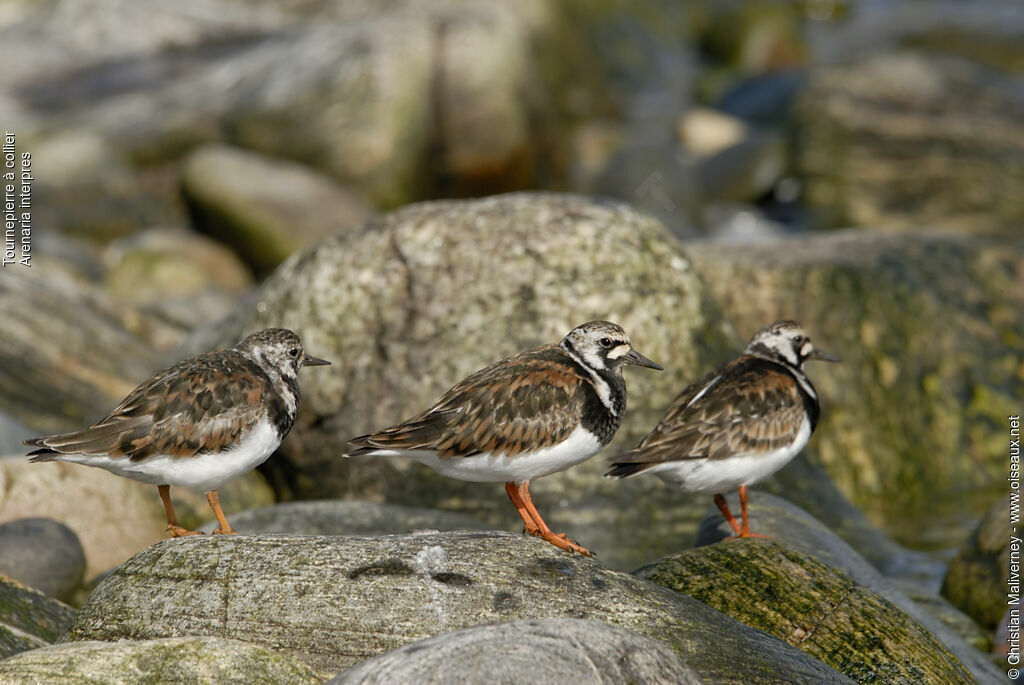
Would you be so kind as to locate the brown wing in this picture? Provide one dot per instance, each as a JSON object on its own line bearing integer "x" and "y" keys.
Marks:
{"x": 201, "y": 404}
{"x": 532, "y": 400}
{"x": 752, "y": 406}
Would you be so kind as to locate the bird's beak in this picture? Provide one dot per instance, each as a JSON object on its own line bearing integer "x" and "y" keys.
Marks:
{"x": 314, "y": 361}
{"x": 634, "y": 357}
{"x": 823, "y": 356}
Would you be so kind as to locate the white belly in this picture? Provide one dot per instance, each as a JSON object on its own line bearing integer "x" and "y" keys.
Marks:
{"x": 202, "y": 472}
{"x": 715, "y": 476}
{"x": 488, "y": 468}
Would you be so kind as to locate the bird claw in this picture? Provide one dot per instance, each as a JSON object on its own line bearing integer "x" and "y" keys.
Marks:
{"x": 747, "y": 534}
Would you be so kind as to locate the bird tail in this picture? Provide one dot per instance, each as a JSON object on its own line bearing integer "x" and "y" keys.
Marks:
{"x": 626, "y": 469}
{"x": 44, "y": 453}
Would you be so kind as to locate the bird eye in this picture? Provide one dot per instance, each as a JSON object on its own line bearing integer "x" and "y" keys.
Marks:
{"x": 294, "y": 352}
{"x": 605, "y": 342}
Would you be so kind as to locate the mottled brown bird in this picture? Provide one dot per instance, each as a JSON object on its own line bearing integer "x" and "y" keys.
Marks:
{"x": 737, "y": 425}
{"x": 198, "y": 424}
{"x": 524, "y": 417}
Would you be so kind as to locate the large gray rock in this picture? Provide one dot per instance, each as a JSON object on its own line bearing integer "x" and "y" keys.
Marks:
{"x": 175, "y": 661}
{"x": 930, "y": 327}
{"x": 346, "y": 517}
{"x": 812, "y": 607}
{"x": 28, "y": 618}
{"x": 334, "y": 601}
{"x": 265, "y": 208}
{"x": 555, "y": 650}
{"x": 438, "y": 290}
{"x": 44, "y": 554}
{"x": 801, "y": 532}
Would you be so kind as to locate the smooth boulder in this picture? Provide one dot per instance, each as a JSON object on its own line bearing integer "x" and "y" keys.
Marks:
{"x": 334, "y": 601}
{"x": 554, "y": 650}
{"x": 44, "y": 554}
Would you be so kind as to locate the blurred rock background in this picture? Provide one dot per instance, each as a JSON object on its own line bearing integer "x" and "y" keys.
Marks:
{"x": 691, "y": 170}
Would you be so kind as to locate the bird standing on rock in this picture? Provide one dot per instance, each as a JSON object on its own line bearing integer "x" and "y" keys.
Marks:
{"x": 737, "y": 425}
{"x": 524, "y": 417}
{"x": 198, "y": 424}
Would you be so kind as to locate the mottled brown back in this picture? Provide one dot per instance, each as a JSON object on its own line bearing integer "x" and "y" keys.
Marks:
{"x": 755, "y": 406}
{"x": 201, "y": 404}
{"x": 529, "y": 401}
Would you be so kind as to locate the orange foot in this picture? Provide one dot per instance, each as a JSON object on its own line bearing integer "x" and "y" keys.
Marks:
{"x": 748, "y": 534}
{"x": 177, "y": 531}
{"x": 563, "y": 541}
{"x": 229, "y": 531}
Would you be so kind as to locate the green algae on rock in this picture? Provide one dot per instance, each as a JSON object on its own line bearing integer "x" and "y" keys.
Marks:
{"x": 796, "y": 529}
{"x": 813, "y": 607}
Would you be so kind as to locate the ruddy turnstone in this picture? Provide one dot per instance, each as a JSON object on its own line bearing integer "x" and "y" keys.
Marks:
{"x": 524, "y": 417}
{"x": 198, "y": 424}
{"x": 737, "y": 425}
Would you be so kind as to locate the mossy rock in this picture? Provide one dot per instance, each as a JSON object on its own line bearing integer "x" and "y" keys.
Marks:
{"x": 333, "y": 601}
{"x": 813, "y": 607}
{"x": 174, "y": 661}
{"x": 28, "y": 618}
{"x": 793, "y": 527}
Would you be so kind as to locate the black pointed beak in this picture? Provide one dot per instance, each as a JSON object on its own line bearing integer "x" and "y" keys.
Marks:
{"x": 314, "y": 361}
{"x": 823, "y": 356}
{"x": 634, "y": 357}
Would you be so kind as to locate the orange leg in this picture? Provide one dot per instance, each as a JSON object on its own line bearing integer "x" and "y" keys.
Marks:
{"x": 745, "y": 532}
{"x": 720, "y": 501}
{"x": 513, "y": 494}
{"x": 173, "y": 528}
{"x": 542, "y": 531}
{"x": 741, "y": 531}
{"x": 224, "y": 528}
